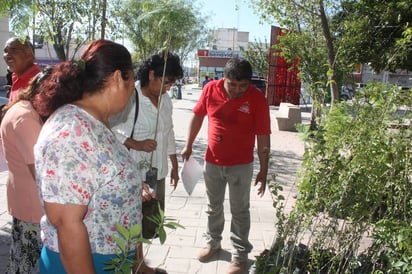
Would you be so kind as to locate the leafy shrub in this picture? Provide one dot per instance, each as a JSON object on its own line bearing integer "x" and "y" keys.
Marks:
{"x": 355, "y": 180}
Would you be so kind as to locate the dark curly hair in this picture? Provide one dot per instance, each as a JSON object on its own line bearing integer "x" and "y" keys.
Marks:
{"x": 156, "y": 63}
{"x": 71, "y": 79}
{"x": 31, "y": 91}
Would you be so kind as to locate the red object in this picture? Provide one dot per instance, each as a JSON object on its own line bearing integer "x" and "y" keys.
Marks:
{"x": 202, "y": 52}
{"x": 283, "y": 84}
{"x": 232, "y": 123}
{"x": 21, "y": 82}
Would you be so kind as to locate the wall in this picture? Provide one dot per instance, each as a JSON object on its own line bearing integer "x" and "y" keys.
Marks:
{"x": 225, "y": 38}
{"x": 400, "y": 77}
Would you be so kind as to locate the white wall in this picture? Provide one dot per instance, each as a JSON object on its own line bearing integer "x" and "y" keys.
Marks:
{"x": 225, "y": 38}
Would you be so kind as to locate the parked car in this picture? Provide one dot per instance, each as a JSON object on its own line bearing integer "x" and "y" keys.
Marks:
{"x": 346, "y": 93}
{"x": 260, "y": 83}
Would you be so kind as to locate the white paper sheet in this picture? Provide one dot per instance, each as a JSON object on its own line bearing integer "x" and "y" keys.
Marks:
{"x": 190, "y": 174}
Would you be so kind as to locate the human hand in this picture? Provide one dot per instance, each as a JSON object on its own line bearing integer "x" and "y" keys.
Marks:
{"x": 174, "y": 177}
{"x": 147, "y": 193}
{"x": 149, "y": 145}
{"x": 261, "y": 181}
{"x": 186, "y": 152}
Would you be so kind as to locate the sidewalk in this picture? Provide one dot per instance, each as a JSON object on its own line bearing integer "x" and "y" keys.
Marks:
{"x": 178, "y": 254}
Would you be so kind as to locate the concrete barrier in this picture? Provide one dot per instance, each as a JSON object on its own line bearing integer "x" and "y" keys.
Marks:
{"x": 287, "y": 117}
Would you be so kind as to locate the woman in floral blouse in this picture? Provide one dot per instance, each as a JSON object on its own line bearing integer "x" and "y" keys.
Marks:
{"x": 87, "y": 180}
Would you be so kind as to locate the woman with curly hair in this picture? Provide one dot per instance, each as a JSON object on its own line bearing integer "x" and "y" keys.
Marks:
{"x": 88, "y": 182}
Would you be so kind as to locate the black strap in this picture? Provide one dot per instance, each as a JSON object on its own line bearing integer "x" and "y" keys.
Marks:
{"x": 136, "y": 112}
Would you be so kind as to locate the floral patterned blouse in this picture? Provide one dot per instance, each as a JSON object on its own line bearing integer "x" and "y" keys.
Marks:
{"x": 79, "y": 161}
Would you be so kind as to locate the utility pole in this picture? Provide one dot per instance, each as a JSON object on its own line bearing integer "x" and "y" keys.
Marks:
{"x": 233, "y": 45}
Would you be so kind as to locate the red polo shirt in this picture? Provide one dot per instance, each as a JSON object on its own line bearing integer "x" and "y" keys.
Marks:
{"x": 22, "y": 82}
{"x": 232, "y": 123}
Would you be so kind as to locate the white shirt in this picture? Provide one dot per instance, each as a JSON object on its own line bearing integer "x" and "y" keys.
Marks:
{"x": 145, "y": 128}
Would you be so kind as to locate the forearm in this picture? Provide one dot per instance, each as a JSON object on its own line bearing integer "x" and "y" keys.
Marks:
{"x": 263, "y": 151}
{"x": 133, "y": 144}
{"x": 32, "y": 171}
{"x": 173, "y": 160}
{"x": 74, "y": 248}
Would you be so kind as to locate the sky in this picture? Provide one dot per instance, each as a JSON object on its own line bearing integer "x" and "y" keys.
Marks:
{"x": 223, "y": 14}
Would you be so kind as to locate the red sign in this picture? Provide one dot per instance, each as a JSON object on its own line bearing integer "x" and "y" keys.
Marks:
{"x": 202, "y": 52}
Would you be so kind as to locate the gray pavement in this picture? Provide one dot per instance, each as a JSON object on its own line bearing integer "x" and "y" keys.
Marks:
{"x": 178, "y": 254}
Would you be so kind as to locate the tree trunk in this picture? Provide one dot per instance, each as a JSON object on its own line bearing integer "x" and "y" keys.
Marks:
{"x": 103, "y": 33}
{"x": 331, "y": 54}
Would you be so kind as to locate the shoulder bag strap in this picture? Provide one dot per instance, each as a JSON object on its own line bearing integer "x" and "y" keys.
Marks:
{"x": 136, "y": 112}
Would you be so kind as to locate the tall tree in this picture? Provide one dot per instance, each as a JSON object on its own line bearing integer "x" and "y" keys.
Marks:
{"x": 148, "y": 23}
{"x": 305, "y": 20}
{"x": 257, "y": 54}
{"x": 61, "y": 23}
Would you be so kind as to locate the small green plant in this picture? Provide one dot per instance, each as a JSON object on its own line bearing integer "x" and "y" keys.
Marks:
{"x": 124, "y": 261}
{"x": 163, "y": 222}
{"x": 129, "y": 238}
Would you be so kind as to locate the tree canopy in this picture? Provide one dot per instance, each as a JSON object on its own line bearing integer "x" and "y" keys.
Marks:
{"x": 377, "y": 32}
{"x": 148, "y": 24}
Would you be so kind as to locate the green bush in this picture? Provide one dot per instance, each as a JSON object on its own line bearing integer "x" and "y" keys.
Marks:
{"x": 358, "y": 163}
{"x": 355, "y": 180}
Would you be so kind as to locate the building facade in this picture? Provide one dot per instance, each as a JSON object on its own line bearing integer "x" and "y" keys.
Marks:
{"x": 225, "y": 44}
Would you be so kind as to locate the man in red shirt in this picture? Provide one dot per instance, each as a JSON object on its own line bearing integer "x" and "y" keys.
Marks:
{"x": 19, "y": 56}
{"x": 237, "y": 115}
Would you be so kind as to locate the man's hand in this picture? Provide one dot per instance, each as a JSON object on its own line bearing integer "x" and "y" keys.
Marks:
{"x": 186, "y": 152}
{"x": 261, "y": 181}
{"x": 174, "y": 177}
{"x": 148, "y": 145}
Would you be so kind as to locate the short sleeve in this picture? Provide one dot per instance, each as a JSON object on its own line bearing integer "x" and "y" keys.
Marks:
{"x": 200, "y": 108}
{"x": 262, "y": 117}
{"x": 27, "y": 128}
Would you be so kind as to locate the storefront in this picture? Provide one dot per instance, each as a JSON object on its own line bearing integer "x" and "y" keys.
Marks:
{"x": 212, "y": 62}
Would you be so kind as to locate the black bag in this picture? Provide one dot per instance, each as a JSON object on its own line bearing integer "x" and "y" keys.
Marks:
{"x": 150, "y": 208}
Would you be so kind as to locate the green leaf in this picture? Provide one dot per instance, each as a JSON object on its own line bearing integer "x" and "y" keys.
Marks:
{"x": 162, "y": 235}
{"x": 135, "y": 231}
{"x": 120, "y": 243}
{"x": 122, "y": 231}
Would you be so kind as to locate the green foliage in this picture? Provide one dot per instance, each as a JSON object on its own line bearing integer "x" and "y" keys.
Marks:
{"x": 128, "y": 240}
{"x": 354, "y": 182}
{"x": 163, "y": 222}
{"x": 396, "y": 237}
{"x": 147, "y": 24}
{"x": 376, "y": 32}
{"x": 257, "y": 55}
{"x": 358, "y": 162}
{"x": 61, "y": 24}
